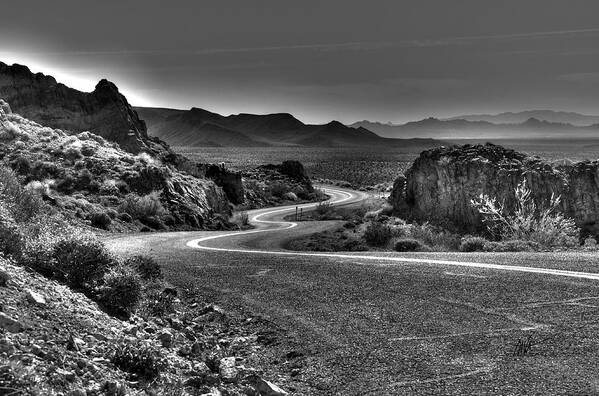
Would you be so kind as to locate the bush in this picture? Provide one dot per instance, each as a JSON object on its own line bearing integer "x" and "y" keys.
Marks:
{"x": 324, "y": 207}
{"x": 81, "y": 261}
{"x": 528, "y": 221}
{"x": 142, "y": 207}
{"x": 100, "y": 220}
{"x": 138, "y": 358}
{"x": 88, "y": 149}
{"x": 73, "y": 153}
{"x": 10, "y": 236}
{"x": 472, "y": 244}
{"x": 145, "y": 266}
{"x": 437, "y": 238}
{"x": 242, "y": 219}
{"x": 152, "y": 222}
{"x": 377, "y": 234}
{"x": 170, "y": 220}
{"x": 21, "y": 165}
{"x": 121, "y": 290}
{"x": 22, "y": 204}
{"x": 408, "y": 245}
{"x": 511, "y": 246}
{"x": 278, "y": 189}
{"x": 157, "y": 303}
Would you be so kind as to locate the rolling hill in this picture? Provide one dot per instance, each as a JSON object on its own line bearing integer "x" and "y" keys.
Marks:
{"x": 198, "y": 127}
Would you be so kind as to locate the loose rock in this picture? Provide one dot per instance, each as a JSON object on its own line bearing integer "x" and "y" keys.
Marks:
{"x": 227, "y": 369}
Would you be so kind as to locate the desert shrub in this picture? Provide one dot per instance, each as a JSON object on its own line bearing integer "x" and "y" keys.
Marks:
{"x": 121, "y": 291}
{"x": 122, "y": 186}
{"x": 80, "y": 261}
{"x": 437, "y": 238}
{"x": 152, "y": 222}
{"x": 377, "y": 234}
{"x": 355, "y": 245}
{"x": 109, "y": 187}
{"x": 136, "y": 357}
{"x": 73, "y": 153}
{"x": 169, "y": 220}
{"x": 21, "y": 165}
{"x": 45, "y": 170}
{"x": 472, "y": 244}
{"x": 242, "y": 219}
{"x": 324, "y": 207}
{"x": 23, "y": 204}
{"x": 100, "y": 220}
{"x": 88, "y": 149}
{"x": 156, "y": 302}
{"x": 528, "y": 221}
{"x": 142, "y": 207}
{"x": 407, "y": 245}
{"x": 145, "y": 266}
{"x": 10, "y": 236}
{"x": 278, "y": 189}
{"x": 590, "y": 244}
{"x": 511, "y": 246}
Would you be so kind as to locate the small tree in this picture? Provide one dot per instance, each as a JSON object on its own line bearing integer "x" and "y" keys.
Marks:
{"x": 545, "y": 225}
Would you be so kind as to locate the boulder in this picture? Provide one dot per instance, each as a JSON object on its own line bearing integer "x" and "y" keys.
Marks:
{"x": 267, "y": 388}
{"x": 227, "y": 369}
{"x": 293, "y": 169}
{"x": 35, "y": 298}
{"x": 166, "y": 338}
{"x": 441, "y": 183}
{"x": 4, "y": 278}
{"x": 228, "y": 180}
{"x": 290, "y": 196}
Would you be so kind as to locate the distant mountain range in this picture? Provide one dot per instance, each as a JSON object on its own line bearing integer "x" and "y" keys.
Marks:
{"x": 460, "y": 128}
{"x": 198, "y": 127}
{"x": 564, "y": 117}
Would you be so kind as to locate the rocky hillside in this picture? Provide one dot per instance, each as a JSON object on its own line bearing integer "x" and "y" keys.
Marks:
{"x": 198, "y": 127}
{"x": 104, "y": 112}
{"x": 94, "y": 180}
{"x": 56, "y": 341}
{"x": 440, "y": 184}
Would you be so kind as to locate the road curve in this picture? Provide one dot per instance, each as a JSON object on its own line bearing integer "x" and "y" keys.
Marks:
{"x": 271, "y": 220}
{"x": 392, "y": 323}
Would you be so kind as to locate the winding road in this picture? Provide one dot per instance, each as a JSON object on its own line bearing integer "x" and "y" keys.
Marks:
{"x": 391, "y": 323}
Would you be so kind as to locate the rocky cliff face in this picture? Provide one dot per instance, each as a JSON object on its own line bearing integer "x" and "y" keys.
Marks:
{"x": 104, "y": 111}
{"x": 441, "y": 183}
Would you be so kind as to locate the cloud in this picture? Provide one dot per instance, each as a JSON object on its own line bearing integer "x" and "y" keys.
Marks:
{"x": 347, "y": 46}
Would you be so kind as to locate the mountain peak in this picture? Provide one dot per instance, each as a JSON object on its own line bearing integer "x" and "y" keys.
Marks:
{"x": 105, "y": 85}
{"x": 104, "y": 111}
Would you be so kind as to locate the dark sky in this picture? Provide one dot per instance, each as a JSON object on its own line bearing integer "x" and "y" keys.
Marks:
{"x": 320, "y": 60}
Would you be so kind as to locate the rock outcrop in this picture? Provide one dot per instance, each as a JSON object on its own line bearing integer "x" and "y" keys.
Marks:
{"x": 441, "y": 183}
{"x": 86, "y": 175}
{"x": 230, "y": 182}
{"x": 104, "y": 111}
{"x": 292, "y": 169}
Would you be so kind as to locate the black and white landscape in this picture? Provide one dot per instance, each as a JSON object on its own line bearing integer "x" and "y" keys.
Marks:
{"x": 311, "y": 198}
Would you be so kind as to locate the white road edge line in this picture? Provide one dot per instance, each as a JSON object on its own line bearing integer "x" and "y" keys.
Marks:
{"x": 285, "y": 225}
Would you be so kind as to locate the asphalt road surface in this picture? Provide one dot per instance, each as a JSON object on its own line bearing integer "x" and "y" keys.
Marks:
{"x": 391, "y": 323}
